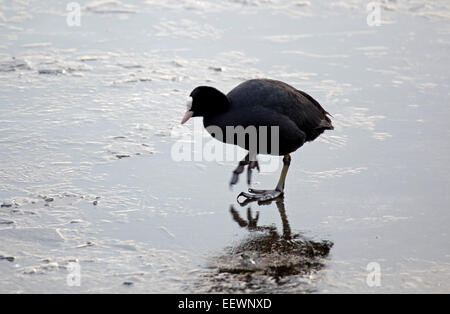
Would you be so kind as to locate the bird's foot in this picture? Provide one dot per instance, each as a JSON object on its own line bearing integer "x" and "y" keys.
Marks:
{"x": 240, "y": 168}
{"x": 260, "y": 195}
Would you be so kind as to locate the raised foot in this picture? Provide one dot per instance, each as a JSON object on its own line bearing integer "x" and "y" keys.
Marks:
{"x": 240, "y": 168}
{"x": 260, "y": 195}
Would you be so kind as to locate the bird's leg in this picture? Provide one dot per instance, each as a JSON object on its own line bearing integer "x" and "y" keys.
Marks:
{"x": 239, "y": 169}
{"x": 248, "y": 161}
{"x": 266, "y": 195}
{"x": 284, "y": 171}
{"x": 253, "y": 163}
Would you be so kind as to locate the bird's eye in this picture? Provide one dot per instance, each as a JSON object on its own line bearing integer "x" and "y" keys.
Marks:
{"x": 189, "y": 103}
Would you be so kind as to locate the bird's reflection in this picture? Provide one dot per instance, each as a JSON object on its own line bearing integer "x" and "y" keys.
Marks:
{"x": 252, "y": 223}
{"x": 266, "y": 259}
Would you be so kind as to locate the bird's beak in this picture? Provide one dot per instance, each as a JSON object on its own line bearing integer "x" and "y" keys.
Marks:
{"x": 187, "y": 116}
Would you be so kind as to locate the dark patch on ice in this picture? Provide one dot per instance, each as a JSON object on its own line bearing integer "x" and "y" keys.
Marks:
{"x": 9, "y": 204}
{"x": 51, "y": 71}
{"x": 217, "y": 69}
{"x": 87, "y": 244}
{"x": 266, "y": 258}
{"x": 7, "y": 258}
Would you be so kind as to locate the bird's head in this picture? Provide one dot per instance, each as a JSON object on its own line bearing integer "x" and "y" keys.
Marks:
{"x": 205, "y": 101}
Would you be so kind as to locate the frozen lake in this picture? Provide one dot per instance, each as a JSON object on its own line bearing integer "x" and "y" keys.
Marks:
{"x": 89, "y": 188}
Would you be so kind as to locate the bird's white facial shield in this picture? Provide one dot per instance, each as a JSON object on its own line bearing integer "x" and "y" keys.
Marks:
{"x": 189, "y": 111}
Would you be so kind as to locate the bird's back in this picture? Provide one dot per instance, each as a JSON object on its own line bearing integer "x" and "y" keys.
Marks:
{"x": 262, "y": 97}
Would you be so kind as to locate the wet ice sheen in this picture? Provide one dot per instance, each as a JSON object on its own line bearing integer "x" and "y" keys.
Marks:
{"x": 86, "y": 115}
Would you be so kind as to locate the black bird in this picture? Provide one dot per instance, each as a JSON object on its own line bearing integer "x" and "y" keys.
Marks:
{"x": 259, "y": 103}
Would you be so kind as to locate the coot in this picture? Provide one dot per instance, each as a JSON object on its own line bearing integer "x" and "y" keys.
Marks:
{"x": 274, "y": 117}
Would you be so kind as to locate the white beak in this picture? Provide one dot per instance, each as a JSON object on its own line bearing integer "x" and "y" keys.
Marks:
{"x": 187, "y": 116}
{"x": 189, "y": 112}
